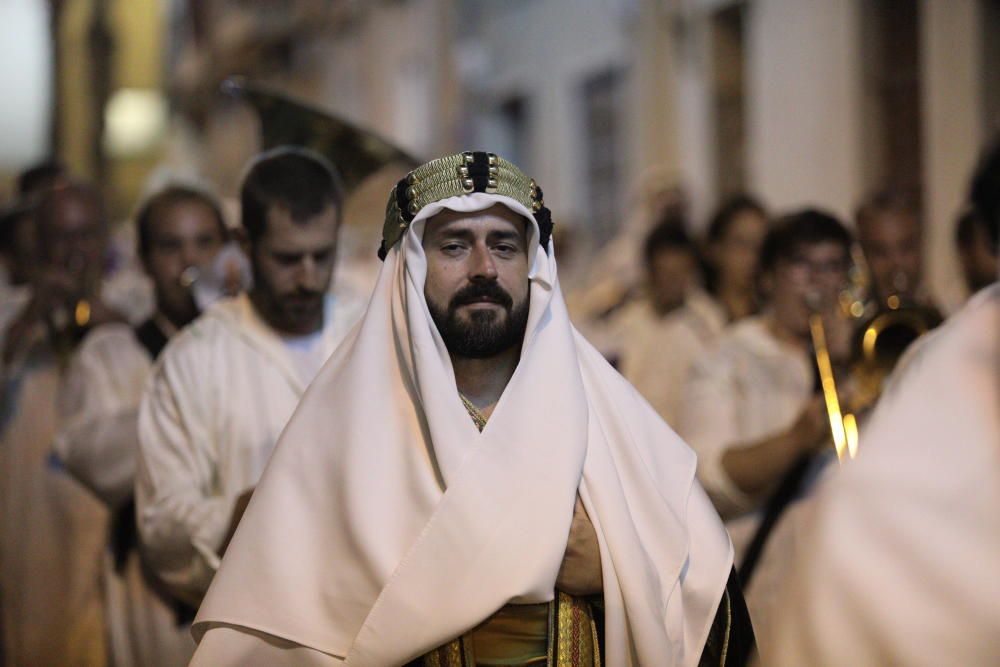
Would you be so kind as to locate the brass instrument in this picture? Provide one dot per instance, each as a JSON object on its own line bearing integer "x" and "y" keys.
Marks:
{"x": 886, "y": 328}
{"x": 356, "y": 153}
{"x": 843, "y": 425}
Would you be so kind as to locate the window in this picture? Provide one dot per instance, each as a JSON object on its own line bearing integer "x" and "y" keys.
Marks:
{"x": 604, "y": 148}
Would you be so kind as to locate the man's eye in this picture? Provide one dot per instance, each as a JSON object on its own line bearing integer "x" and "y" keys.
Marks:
{"x": 169, "y": 246}
{"x": 287, "y": 260}
{"x": 505, "y": 248}
{"x": 322, "y": 257}
{"x": 452, "y": 247}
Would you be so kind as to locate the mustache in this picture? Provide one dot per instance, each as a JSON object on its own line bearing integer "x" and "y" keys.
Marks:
{"x": 490, "y": 291}
{"x": 304, "y": 295}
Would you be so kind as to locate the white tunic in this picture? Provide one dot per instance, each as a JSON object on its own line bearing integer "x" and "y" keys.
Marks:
{"x": 98, "y": 442}
{"x": 750, "y": 387}
{"x": 895, "y": 558}
{"x": 220, "y": 396}
{"x": 658, "y": 351}
{"x": 52, "y": 531}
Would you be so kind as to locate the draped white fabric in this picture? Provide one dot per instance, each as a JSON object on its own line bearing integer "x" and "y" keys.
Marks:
{"x": 97, "y": 442}
{"x": 219, "y": 397}
{"x": 52, "y": 531}
{"x": 751, "y": 386}
{"x": 894, "y": 559}
{"x": 386, "y": 524}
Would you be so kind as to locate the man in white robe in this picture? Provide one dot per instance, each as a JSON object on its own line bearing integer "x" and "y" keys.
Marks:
{"x": 751, "y": 409}
{"x": 53, "y": 531}
{"x": 179, "y": 230}
{"x": 224, "y": 387}
{"x": 661, "y": 335}
{"x": 464, "y": 458}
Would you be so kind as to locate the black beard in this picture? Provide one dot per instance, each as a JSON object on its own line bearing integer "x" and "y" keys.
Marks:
{"x": 486, "y": 334}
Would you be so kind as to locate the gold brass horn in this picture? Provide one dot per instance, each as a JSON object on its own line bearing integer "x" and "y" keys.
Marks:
{"x": 886, "y": 328}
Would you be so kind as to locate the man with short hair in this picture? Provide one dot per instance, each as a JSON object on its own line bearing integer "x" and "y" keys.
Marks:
{"x": 894, "y": 558}
{"x": 225, "y": 387}
{"x": 468, "y": 482}
{"x": 752, "y": 407}
{"x": 891, "y": 237}
{"x": 179, "y": 229}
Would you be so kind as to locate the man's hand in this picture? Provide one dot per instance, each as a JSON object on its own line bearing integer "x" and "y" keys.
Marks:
{"x": 238, "y": 509}
{"x": 839, "y": 335}
{"x": 811, "y": 431}
{"x": 580, "y": 572}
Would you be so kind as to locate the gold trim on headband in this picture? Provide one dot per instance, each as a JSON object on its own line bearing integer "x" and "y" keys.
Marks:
{"x": 453, "y": 176}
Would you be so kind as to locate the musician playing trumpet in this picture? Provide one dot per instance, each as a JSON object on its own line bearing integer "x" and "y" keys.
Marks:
{"x": 66, "y": 298}
{"x": 180, "y": 231}
{"x": 754, "y": 409}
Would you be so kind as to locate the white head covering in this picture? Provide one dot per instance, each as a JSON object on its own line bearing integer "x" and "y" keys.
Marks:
{"x": 386, "y": 525}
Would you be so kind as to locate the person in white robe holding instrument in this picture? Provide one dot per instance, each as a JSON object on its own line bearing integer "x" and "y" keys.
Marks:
{"x": 52, "y": 531}
{"x": 468, "y": 482}
{"x": 180, "y": 231}
{"x": 893, "y": 560}
{"x": 225, "y": 387}
{"x": 752, "y": 408}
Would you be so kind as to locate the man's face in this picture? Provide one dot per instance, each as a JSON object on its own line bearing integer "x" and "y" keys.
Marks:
{"x": 181, "y": 235}
{"x": 477, "y": 280}
{"x": 891, "y": 243}
{"x": 292, "y": 266}
{"x": 811, "y": 278}
{"x": 74, "y": 236}
{"x": 671, "y": 273}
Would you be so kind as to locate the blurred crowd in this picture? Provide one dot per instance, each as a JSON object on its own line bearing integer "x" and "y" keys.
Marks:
{"x": 148, "y": 368}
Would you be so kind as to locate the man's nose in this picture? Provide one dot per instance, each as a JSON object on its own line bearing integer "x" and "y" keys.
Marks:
{"x": 192, "y": 255}
{"x": 482, "y": 264}
{"x": 309, "y": 274}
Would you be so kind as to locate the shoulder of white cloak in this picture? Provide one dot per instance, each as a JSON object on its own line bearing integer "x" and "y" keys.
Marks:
{"x": 109, "y": 340}
{"x": 194, "y": 351}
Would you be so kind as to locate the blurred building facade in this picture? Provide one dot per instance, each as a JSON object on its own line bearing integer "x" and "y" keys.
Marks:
{"x": 603, "y": 101}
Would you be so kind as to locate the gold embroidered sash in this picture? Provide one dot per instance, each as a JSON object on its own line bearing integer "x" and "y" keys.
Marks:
{"x": 572, "y": 640}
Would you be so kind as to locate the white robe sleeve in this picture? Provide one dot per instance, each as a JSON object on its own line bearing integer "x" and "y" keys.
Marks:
{"x": 709, "y": 423}
{"x": 182, "y": 517}
{"x": 99, "y": 401}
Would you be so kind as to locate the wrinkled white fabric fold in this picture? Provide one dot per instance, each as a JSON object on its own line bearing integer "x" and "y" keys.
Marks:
{"x": 386, "y": 525}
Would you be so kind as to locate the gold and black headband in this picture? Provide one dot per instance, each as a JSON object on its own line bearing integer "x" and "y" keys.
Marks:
{"x": 455, "y": 175}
